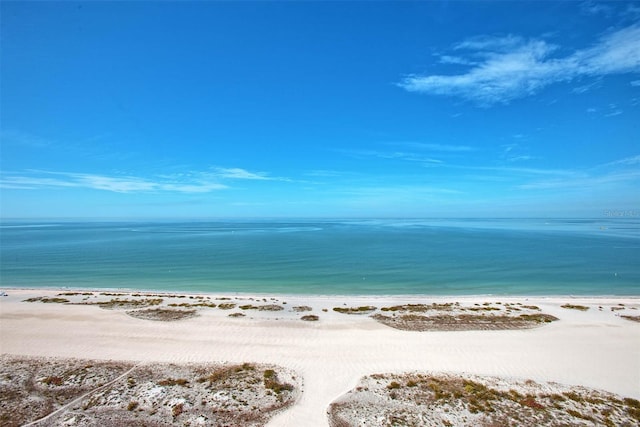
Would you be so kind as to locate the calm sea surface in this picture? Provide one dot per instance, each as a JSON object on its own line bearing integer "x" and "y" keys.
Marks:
{"x": 377, "y": 257}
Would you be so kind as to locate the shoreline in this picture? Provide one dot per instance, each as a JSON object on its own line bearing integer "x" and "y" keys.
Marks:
{"x": 315, "y": 296}
{"x": 593, "y": 348}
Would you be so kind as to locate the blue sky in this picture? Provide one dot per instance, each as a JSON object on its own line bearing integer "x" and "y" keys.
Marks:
{"x": 319, "y": 109}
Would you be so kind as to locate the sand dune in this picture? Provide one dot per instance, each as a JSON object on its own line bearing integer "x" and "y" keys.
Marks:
{"x": 595, "y": 348}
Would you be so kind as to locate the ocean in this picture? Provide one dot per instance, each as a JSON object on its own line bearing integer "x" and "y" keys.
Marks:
{"x": 329, "y": 257}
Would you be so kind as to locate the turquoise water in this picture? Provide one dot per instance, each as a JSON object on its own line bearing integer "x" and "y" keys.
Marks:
{"x": 377, "y": 257}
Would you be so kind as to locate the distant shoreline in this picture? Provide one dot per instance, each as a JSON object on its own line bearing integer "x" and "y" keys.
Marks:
{"x": 311, "y": 295}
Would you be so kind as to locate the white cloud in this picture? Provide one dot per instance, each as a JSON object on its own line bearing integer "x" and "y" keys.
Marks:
{"x": 185, "y": 182}
{"x": 592, "y": 8}
{"x": 619, "y": 52}
{"x": 521, "y": 158}
{"x": 630, "y": 161}
{"x": 435, "y": 147}
{"x": 586, "y": 87}
{"x": 394, "y": 155}
{"x": 411, "y": 157}
{"x": 483, "y": 43}
{"x": 33, "y": 180}
{"x": 238, "y": 173}
{"x": 395, "y": 195}
{"x": 32, "y": 183}
{"x": 513, "y": 68}
{"x": 632, "y": 11}
{"x": 115, "y": 184}
{"x": 325, "y": 173}
{"x": 519, "y": 171}
{"x": 622, "y": 171}
{"x": 448, "y": 59}
{"x": 515, "y": 152}
{"x": 590, "y": 182}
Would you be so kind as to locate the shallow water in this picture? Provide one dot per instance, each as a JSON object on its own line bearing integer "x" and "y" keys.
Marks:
{"x": 376, "y": 257}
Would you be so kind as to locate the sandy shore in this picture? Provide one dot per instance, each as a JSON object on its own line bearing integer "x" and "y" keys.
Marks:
{"x": 596, "y": 348}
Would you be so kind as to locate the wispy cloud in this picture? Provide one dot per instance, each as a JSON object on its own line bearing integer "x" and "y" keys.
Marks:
{"x": 592, "y": 181}
{"x": 449, "y": 59}
{"x": 632, "y": 11}
{"x": 515, "y": 152}
{"x": 619, "y": 171}
{"x": 21, "y": 182}
{"x": 326, "y": 173}
{"x": 416, "y": 152}
{"x": 521, "y": 157}
{"x": 496, "y": 44}
{"x": 393, "y": 196}
{"x": 393, "y": 155}
{"x": 238, "y": 173}
{"x": 434, "y": 147}
{"x": 34, "y": 180}
{"x": 188, "y": 182}
{"x": 511, "y": 67}
{"x": 586, "y": 87}
{"x": 593, "y": 8}
{"x": 513, "y": 171}
{"x": 628, "y": 161}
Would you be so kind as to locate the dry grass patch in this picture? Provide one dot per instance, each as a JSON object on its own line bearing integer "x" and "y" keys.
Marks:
{"x": 162, "y": 314}
{"x": 268, "y": 307}
{"x": 365, "y": 309}
{"x": 575, "y": 307}
{"x": 455, "y": 317}
{"x": 71, "y": 294}
{"x": 190, "y": 305}
{"x": 126, "y": 304}
{"x": 452, "y": 400}
{"x": 34, "y": 387}
{"x": 463, "y": 322}
{"x": 632, "y": 318}
{"x": 272, "y": 383}
{"x": 172, "y": 382}
{"x": 151, "y": 395}
{"x": 310, "y": 318}
{"x": 422, "y": 308}
{"x": 54, "y": 300}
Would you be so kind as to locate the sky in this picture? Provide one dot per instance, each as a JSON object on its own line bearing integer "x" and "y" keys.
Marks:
{"x": 319, "y": 109}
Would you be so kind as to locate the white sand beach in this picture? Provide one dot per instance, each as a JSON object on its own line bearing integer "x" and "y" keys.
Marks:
{"x": 597, "y": 348}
